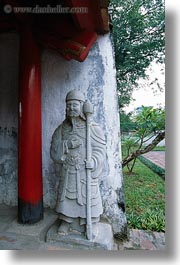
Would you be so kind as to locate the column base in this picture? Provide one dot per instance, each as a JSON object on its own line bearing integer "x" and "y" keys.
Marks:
{"x": 29, "y": 213}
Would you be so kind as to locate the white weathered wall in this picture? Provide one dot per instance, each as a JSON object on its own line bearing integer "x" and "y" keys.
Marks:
{"x": 96, "y": 79}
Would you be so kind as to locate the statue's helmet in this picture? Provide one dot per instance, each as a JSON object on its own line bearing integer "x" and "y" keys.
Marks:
{"x": 75, "y": 95}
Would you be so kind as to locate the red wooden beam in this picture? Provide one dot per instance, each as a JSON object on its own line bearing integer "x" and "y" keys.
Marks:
{"x": 101, "y": 16}
{"x": 30, "y": 195}
{"x": 76, "y": 47}
{"x": 60, "y": 25}
{"x": 85, "y": 19}
{"x": 95, "y": 19}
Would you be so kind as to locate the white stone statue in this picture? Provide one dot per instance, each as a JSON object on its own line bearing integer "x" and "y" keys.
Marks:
{"x": 78, "y": 146}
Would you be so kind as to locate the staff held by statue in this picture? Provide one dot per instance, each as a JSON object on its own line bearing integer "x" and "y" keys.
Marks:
{"x": 88, "y": 111}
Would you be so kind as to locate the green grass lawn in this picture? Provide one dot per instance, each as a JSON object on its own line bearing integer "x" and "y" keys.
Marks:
{"x": 144, "y": 198}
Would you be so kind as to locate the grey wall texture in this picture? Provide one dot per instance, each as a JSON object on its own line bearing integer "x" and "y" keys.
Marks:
{"x": 96, "y": 78}
{"x": 9, "y": 50}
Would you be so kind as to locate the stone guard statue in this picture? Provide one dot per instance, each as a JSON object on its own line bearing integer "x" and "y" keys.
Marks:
{"x": 78, "y": 146}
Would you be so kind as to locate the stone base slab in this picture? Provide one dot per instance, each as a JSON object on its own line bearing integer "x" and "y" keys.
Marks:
{"x": 38, "y": 230}
{"x": 103, "y": 238}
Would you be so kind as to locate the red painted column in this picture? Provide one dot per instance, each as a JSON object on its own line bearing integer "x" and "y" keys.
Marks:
{"x": 30, "y": 194}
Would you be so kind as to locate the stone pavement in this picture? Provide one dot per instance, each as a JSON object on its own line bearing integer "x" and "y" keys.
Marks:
{"x": 14, "y": 236}
{"x": 156, "y": 157}
{"x": 144, "y": 240}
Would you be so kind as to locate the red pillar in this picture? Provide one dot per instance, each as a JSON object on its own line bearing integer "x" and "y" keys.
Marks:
{"x": 30, "y": 195}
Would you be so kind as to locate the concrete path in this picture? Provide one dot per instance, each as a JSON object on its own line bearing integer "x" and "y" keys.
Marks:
{"x": 156, "y": 157}
{"x": 144, "y": 240}
{"x": 14, "y": 236}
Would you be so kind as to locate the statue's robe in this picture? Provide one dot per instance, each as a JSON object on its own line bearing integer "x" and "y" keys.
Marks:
{"x": 71, "y": 200}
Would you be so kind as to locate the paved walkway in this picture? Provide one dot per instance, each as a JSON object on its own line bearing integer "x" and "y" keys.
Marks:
{"x": 144, "y": 240}
{"x": 156, "y": 157}
{"x": 14, "y": 236}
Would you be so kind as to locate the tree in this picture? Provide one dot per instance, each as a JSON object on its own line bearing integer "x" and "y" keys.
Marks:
{"x": 139, "y": 38}
{"x": 150, "y": 124}
{"x": 127, "y": 124}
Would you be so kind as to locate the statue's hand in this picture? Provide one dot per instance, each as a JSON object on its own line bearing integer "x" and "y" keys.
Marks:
{"x": 74, "y": 143}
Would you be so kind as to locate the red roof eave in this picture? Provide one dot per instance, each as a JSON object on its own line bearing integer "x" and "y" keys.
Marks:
{"x": 73, "y": 35}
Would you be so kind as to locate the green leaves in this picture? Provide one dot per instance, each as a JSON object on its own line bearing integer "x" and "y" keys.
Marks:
{"x": 149, "y": 124}
{"x": 151, "y": 220}
{"x": 127, "y": 124}
{"x": 149, "y": 121}
{"x": 139, "y": 38}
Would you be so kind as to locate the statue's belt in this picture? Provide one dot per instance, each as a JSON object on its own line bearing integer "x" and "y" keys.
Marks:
{"x": 75, "y": 161}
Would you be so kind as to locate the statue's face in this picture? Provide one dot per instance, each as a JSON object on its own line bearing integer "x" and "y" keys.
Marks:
{"x": 73, "y": 108}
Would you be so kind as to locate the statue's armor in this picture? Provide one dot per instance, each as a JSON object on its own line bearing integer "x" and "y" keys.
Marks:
{"x": 72, "y": 187}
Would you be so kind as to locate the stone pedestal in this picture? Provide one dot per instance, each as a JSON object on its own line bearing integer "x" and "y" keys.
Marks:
{"x": 102, "y": 238}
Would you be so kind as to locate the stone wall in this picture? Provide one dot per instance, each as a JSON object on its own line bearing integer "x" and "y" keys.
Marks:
{"x": 9, "y": 45}
{"x": 96, "y": 79}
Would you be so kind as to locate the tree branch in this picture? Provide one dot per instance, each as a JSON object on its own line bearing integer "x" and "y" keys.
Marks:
{"x": 148, "y": 148}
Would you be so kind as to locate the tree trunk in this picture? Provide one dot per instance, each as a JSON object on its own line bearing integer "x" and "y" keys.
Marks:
{"x": 148, "y": 148}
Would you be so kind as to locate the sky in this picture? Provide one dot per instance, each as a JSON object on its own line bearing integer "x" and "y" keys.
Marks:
{"x": 144, "y": 94}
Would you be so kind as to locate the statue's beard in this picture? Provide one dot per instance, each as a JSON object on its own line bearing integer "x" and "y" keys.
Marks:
{"x": 73, "y": 119}
{"x": 75, "y": 116}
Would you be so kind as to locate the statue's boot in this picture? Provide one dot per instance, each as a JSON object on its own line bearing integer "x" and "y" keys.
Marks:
{"x": 63, "y": 228}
